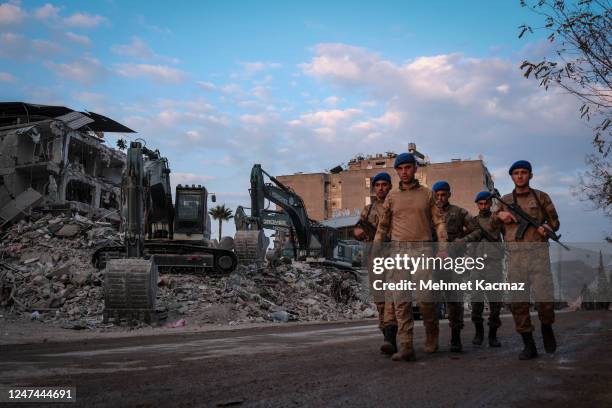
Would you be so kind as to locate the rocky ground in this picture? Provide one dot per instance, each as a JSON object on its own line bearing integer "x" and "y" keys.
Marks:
{"x": 46, "y": 276}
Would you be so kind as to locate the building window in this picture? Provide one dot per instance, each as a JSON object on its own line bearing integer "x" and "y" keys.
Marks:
{"x": 367, "y": 182}
{"x": 368, "y": 200}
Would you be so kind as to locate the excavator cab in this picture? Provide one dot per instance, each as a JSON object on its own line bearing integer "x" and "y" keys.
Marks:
{"x": 191, "y": 219}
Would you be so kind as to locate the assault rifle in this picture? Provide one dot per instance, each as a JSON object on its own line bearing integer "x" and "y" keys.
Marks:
{"x": 366, "y": 226}
{"x": 526, "y": 221}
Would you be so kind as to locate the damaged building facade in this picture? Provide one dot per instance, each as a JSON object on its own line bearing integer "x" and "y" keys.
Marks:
{"x": 55, "y": 158}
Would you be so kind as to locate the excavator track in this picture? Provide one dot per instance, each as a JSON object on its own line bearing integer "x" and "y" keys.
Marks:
{"x": 250, "y": 246}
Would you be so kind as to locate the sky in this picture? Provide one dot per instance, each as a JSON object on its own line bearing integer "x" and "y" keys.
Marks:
{"x": 305, "y": 86}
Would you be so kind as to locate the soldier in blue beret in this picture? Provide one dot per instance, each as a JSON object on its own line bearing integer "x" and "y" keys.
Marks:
{"x": 409, "y": 216}
{"x": 486, "y": 228}
{"x": 457, "y": 221}
{"x": 364, "y": 230}
{"x": 529, "y": 259}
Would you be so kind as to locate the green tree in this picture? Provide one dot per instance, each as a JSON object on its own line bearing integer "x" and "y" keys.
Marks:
{"x": 221, "y": 213}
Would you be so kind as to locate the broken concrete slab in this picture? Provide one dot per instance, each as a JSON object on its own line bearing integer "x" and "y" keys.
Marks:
{"x": 68, "y": 231}
{"x": 16, "y": 209}
{"x": 80, "y": 276}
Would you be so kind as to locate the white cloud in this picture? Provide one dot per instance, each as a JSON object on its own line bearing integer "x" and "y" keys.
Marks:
{"x": 259, "y": 119}
{"x": 193, "y": 135}
{"x": 137, "y": 48}
{"x": 504, "y": 88}
{"x": 11, "y": 13}
{"x": 21, "y": 48}
{"x": 252, "y": 68}
{"x": 47, "y": 12}
{"x": 84, "y": 20}
{"x": 261, "y": 92}
{"x": 162, "y": 73}
{"x": 332, "y": 100}
{"x": 78, "y": 38}
{"x": 337, "y": 61}
{"x": 6, "y": 77}
{"x": 231, "y": 89}
{"x": 207, "y": 86}
{"x": 326, "y": 118}
{"x": 45, "y": 47}
{"x": 85, "y": 70}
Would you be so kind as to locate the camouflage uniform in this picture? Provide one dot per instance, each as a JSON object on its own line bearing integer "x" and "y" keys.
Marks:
{"x": 456, "y": 218}
{"x": 529, "y": 260}
{"x": 408, "y": 216}
{"x": 486, "y": 228}
{"x": 372, "y": 214}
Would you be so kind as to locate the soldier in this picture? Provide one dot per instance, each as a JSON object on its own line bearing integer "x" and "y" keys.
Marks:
{"x": 408, "y": 216}
{"x": 456, "y": 220}
{"x": 530, "y": 263}
{"x": 365, "y": 231}
{"x": 487, "y": 228}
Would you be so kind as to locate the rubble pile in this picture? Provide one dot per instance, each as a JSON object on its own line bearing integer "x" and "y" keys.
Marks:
{"x": 296, "y": 291}
{"x": 45, "y": 269}
{"x": 46, "y": 274}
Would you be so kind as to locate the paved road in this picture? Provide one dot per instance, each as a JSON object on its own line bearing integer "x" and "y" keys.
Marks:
{"x": 320, "y": 365}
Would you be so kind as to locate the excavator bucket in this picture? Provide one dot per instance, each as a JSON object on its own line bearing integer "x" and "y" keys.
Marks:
{"x": 130, "y": 289}
{"x": 250, "y": 246}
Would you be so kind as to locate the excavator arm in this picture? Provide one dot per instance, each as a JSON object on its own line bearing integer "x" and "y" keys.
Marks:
{"x": 294, "y": 217}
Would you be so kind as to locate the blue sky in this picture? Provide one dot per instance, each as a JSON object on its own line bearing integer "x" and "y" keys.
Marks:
{"x": 304, "y": 86}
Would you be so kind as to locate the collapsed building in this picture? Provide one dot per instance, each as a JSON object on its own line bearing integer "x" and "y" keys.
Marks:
{"x": 55, "y": 158}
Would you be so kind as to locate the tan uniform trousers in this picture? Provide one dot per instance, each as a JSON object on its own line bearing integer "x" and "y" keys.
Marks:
{"x": 529, "y": 263}
{"x": 398, "y": 303}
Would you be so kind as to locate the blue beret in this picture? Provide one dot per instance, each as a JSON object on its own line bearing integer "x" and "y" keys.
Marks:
{"x": 483, "y": 195}
{"x": 381, "y": 177}
{"x": 403, "y": 159}
{"x": 521, "y": 164}
{"x": 441, "y": 185}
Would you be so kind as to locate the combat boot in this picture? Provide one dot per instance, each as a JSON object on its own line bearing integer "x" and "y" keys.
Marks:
{"x": 455, "y": 345}
{"x": 405, "y": 353}
{"x": 432, "y": 332}
{"x": 550, "y": 343}
{"x": 530, "y": 351}
{"x": 493, "y": 342}
{"x": 389, "y": 346}
{"x": 479, "y": 335}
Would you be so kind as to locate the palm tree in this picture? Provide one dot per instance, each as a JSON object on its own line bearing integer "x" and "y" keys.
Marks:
{"x": 221, "y": 213}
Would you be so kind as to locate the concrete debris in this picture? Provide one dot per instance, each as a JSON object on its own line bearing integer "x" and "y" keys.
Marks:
{"x": 295, "y": 292}
{"x": 47, "y": 273}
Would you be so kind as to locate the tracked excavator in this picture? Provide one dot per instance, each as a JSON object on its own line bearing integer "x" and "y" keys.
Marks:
{"x": 160, "y": 237}
{"x": 250, "y": 242}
